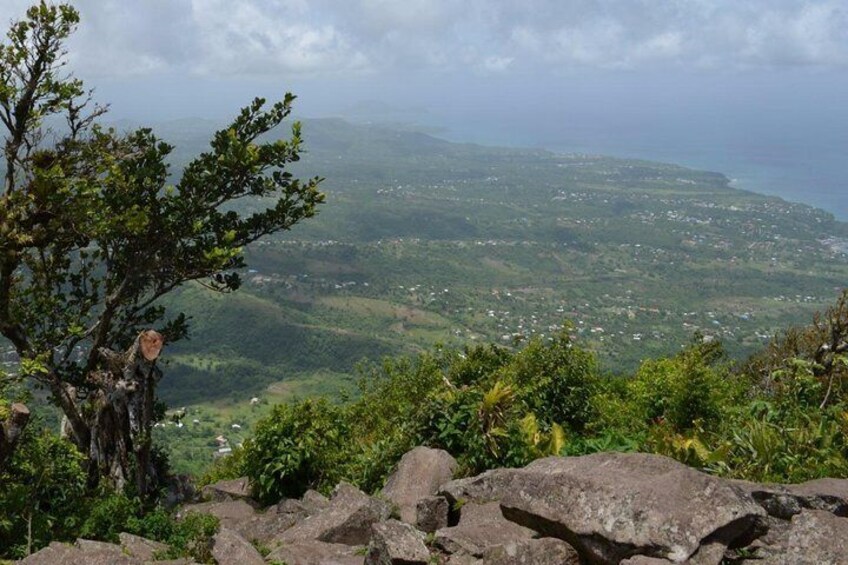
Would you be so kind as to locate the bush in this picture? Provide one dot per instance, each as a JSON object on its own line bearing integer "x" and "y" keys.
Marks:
{"x": 297, "y": 447}
{"x": 42, "y": 493}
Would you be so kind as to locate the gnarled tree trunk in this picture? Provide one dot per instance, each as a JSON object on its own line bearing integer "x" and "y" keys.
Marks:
{"x": 123, "y": 413}
{"x": 11, "y": 430}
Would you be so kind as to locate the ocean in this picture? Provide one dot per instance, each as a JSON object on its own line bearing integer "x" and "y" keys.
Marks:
{"x": 778, "y": 134}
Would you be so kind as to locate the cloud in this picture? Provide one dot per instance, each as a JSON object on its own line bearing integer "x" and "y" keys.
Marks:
{"x": 332, "y": 37}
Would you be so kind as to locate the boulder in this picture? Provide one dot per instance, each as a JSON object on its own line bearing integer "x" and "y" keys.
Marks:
{"x": 463, "y": 559}
{"x": 785, "y": 501}
{"x": 346, "y": 519}
{"x": 231, "y": 513}
{"x": 643, "y": 560}
{"x": 396, "y": 543}
{"x": 242, "y": 518}
{"x": 420, "y": 473}
{"x": 814, "y": 537}
{"x": 431, "y": 513}
{"x": 55, "y": 554}
{"x": 545, "y": 551}
{"x": 236, "y": 489}
{"x": 481, "y": 527}
{"x": 141, "y": 548}
{"x": 293, "y": 507}
{"x": 316, "y": 553}
{"x": 611, "y": 506}
{"x": 83, "y": 552}
{"x": 313, "y": 501}
{"x": 230, "y": 548}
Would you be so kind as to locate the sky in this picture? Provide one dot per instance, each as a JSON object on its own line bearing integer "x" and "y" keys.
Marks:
{"x": 754, "y": 88}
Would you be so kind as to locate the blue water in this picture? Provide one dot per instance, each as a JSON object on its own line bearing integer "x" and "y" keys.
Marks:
{"x": 809, "y": 171}
{"x": 781, "y": 134}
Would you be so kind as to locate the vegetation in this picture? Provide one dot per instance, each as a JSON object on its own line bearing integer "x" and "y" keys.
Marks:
{"x": 524, "y": 304}
{"x": 93, "y": 234}
{"x": 492, "y": 407}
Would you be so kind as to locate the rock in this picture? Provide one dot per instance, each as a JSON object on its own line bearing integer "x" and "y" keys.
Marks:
{"x": 236, "y": 515}
{"x": 55, "y": 554}
{"x": 785, "y": 501}
{"x": 431, "y": 513}
{"x": 230, "y": 512}
{"x": 710, "y": 553}
{"x": 481, "y": 527}
{"x": 230, "y": 548}
{"x": 316, "y": 553}
{"x": 814, "y": 537}
{"x": 643, "y": 560}
{"x": 473, "y": 513}
{"x": 292, "y": 506}
{"x": 313, "y": 501}
{"x": 611, "y": 506}
{"x": 242, "y": 518}
{"x": 83, "y": 552}
{"x": 346, "y": 519}
{"x": 463, "y": 559}
{"x": 141, "y": 548}
{"x": 545, "y": 551}
{"x": 420, "y": 473}
{"x": 396, "y": 543}
{"x": 236, "y": 489}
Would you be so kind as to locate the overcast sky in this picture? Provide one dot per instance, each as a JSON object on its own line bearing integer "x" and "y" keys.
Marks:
{"x": 617, "y": 76}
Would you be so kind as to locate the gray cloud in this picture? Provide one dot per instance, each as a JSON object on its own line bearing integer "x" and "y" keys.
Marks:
{"x": 350, "y": 37}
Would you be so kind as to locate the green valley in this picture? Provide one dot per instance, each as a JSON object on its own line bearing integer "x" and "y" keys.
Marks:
{"x": 425, "y": 242}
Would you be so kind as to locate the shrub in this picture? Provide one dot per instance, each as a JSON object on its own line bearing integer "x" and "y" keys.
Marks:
{"x": 297, "y": 447}
{"x": 42, "y": 490}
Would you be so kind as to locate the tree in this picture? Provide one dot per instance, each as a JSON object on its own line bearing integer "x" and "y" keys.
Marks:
{"x": 93, "y": 233}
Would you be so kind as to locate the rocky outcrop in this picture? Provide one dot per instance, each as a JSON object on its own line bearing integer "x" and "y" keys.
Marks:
{"x": 235, "y": 489}
{"x": 419, "y": 474}
{"x": 610, "y": 509}
{"x": 481, "y": 527}
{"x": 545, "y": 551}
{"x": 396, "y": 543}
{"x": 315, "y": 552}
{"x": 785, "y": 501}
{"x": 347, "y": 519}
{"x": 431, "y": 513}
{"x": 230, "y": 548}
{"x": 612, "y": 506}
{"x": 141, "y": 548}
{"x": 813, "y": 537}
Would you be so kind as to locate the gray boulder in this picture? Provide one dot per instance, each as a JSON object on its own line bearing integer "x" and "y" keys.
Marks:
{"x": 643, "y": 560}
{"x": 236, "y": 489}
{"x": 347, "y": 519}
{"x": 231, "y": 513}
{"x": 83, "y": 552}
{"x": 481, "y": 527}
{"x": 396, "y": 543}
{"x": 545, "y": 551}
{"x": 611, "y": 506}
{"x": 420, "y": 473}
{"x": 316, "y": 553}
{"x": 230, "y": 548}
{"x": 431, "y": 513}
{"x": 313, "y": 501}
{"x": 785, "y": 501}
{"x": 814, "y": 537}
{"x": 139, "y": 547}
